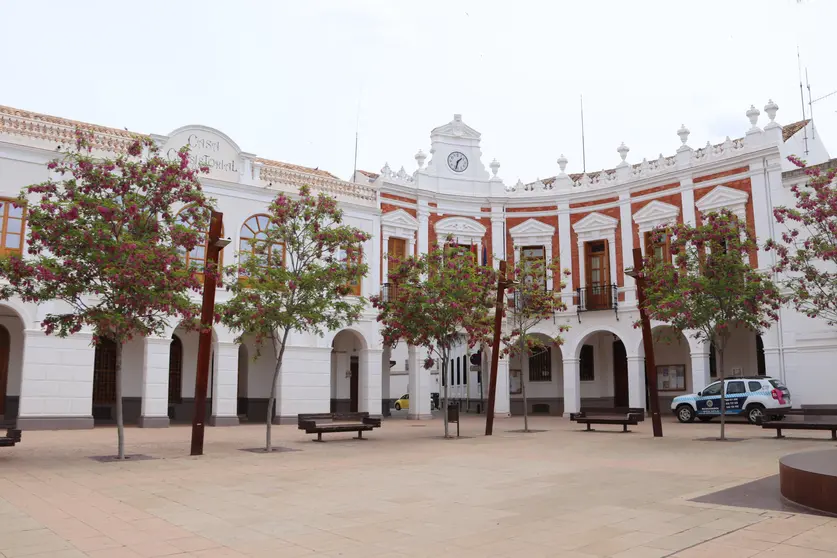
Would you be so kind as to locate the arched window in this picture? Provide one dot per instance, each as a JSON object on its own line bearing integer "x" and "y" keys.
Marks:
{"x": 197, "y": 256}
{"x": 253, "y": 231}
{"x": 175, "y": 370}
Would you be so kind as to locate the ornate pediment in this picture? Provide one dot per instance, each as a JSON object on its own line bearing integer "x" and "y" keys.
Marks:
{"x": 654, "y": 214}
{"x": 724, "y": 197}
{"x": 456, "y": 128}
{"x": 532, "y": 227}
{"x": 596, "y": 223}
{"x": 459, "y": 226}
{"x": 400, "y": 219}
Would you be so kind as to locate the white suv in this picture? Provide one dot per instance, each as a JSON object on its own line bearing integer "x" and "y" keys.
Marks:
{"x": 752, "y": 396}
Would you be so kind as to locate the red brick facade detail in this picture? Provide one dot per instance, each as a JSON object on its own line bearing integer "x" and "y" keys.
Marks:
{"x": 655, "y": 189}
{"x": 594, "y": 202}
{"x": 395, "y": 197}
{"x": 730, "y": 172}
{"x": 388, "y": 207}
{"x": 532, "y": 209}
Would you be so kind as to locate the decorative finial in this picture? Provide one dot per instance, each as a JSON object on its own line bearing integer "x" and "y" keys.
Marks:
{"x": 402, "y": 174}
{"x": 771, "y": 108}
{"x": 683, "y": 132}
{"x": 519, "y": 185}
{"x": 562, "y": 163}
{"x": 386, "y": 171}
{"x": 420, "y": 158}
{"x": 753, "y": 114}
{"x": 623, "y": 152}
{"x": 495, "y": 167}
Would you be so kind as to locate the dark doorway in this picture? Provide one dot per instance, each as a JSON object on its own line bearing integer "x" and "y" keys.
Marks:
{"x": 620, "y": 375}
{"x": 175, "y": 370}
{"x": 353, "y": 384}
{"x": 104, "y": 380}
{"x": 761, "y": 367}
{"x": 5, "y": 348}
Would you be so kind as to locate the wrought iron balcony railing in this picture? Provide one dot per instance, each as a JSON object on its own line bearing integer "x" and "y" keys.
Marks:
{"x": 597, "y": 297}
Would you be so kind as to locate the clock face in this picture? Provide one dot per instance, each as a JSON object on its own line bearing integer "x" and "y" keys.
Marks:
{"x": 457, "y": 161}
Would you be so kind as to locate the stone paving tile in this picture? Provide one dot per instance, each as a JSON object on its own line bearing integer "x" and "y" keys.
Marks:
{"x": 404, "y": 493}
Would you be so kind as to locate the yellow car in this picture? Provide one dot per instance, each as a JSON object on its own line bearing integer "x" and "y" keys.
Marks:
{"x": 403, "y": 403}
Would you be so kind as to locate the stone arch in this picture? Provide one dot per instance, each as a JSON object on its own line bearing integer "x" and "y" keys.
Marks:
{"x": 12, "y": 337}
{"x": 542, "y": 374}
{"x": 602, "y": 353}
{"x": 348, "y": 347}
{"x": 184, "y": 410}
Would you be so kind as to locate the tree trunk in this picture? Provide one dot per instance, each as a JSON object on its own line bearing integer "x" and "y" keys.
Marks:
{"x": 446, "y": 384}
{"x": 723, "y": 391}
{"x": 271, "y": 401}
{"x": 523, "y": 388}
{"x": 120, "y": 424}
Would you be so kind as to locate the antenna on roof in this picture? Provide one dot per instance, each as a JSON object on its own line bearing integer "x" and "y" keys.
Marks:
{"x": 802, "y": 95}
{"x": 583, "y": 152}
{"x": 810, "y": 105}
{"x": 357, "y": 125}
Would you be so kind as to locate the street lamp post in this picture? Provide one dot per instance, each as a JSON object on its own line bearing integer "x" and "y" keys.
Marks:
{"x": 214, "y": 246}
{"x": 502, "y": 283}
{"x": 647, "y": 342}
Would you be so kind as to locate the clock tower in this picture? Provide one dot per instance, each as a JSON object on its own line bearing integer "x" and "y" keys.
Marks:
{"x": 455, "y": 165}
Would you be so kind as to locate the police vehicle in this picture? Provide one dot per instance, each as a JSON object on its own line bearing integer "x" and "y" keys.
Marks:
{"x": 753, "y": 397}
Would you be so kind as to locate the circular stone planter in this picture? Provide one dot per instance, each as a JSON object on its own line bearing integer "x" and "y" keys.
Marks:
{"x": 810, "y": 479}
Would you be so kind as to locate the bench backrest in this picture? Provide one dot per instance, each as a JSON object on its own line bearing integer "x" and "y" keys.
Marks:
{"x": 341, "y": 417}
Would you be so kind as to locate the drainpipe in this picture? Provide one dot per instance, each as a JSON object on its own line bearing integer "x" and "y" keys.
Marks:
{"x": 771, "y": 220}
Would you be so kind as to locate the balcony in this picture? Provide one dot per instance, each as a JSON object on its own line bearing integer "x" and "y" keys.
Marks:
{"x": 597, "y": 297}
{"x": 388, "y": 292}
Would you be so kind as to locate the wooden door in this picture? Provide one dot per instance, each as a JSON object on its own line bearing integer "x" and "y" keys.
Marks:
{"x": 353, "y": 385}
{"x": 620, "y": 375}
{"x": 397, "y": 248}
{"x": 598, "y": 275}
{"x": 5, "y": 347}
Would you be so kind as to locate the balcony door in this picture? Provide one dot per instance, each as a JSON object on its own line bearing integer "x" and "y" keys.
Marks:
{"x": 598, "y": 274}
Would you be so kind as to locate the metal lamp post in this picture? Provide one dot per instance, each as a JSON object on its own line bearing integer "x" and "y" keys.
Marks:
{"x": 647, "y": 342}
{"x": 214, "y": 246}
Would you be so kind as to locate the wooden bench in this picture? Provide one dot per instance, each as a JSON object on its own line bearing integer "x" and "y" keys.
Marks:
{"x": 625, "y": 416}
{"x": 812, "y": 419}
{"x": 12, "y": 436}
{"x": 326, "y": 423}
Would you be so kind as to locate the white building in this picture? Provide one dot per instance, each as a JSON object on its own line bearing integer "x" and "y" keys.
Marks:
{"x": 592, "y": 221}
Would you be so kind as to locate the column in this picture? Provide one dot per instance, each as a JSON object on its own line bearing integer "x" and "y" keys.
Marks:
{"x": 411, "y": 245}
{"x": 636, "y": 382}
{"x": 762, "y": 212}
{"x": 56, "y": 388}
{"x": 385, "y": 260}
{"x": 687, "y": 199}
{"x": 386, "y": 356}
{"x": 419, "y": 386}
{"x": 516, "y": 255}
{"x": 498, "y": 236}
{"x": 572, "y": 386}
{"x": 611, "y": 242}
{"x": 502, "y": 402}
{"x": 700, "y": 368}
{"x": 626, "y": 222}
{"x": 580, "y": 272}
{"x": 154, "y": 411}
{"x": 565, "y": 251}
{"x": 423, "y": 231}
{"x": 549, "y": 278}
{"x": 225, "y": 385}
{"x": 369, "y": 383}
{"x": 304, "y": 384}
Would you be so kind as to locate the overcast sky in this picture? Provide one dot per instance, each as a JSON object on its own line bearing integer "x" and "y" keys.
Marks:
{"x": 285, "y": 79}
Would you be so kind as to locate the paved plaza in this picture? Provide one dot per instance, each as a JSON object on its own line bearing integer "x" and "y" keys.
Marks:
{"x": 404, "y": 492}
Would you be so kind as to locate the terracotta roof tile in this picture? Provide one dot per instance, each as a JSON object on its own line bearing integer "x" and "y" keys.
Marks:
{"x": 290, "y": 166}
{"x": 372, "y": 175}
{"x": 788, "y": 130}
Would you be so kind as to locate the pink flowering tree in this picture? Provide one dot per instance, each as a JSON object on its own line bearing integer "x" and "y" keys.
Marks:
{"x": 807, "y": 250}
{"x": 104, "y": 240}
{"x": 709, "y": 288}
{"x": 531, "y": 304}
{"x": 434, "y": 301}
{"x": 300, "y": 273}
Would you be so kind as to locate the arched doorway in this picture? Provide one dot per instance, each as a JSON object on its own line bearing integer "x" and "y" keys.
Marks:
{"x": 11, "y": 362}
{"x": 673, "y": 360}
{"x": 603, "y": 370}
{"x": 541, "y": 373}
{"x": 345, "y": 371}
{"x": 175, "y": 374}
{"x": 104, "y": 381}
